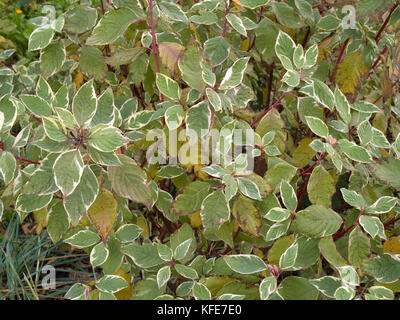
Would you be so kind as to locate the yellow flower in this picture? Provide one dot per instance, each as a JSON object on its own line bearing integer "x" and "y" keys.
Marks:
{"x": 18, "y": 11}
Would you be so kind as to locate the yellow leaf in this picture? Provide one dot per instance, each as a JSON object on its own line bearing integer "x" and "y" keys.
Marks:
{"x": 142, "y": 223}
{"x": 103, "y": 213}
{"x": 238, "y": 5}
{"x": 195, "y": 219}
{"x": 278, "y": 248}
{"x": 392, "y": 245}
{"x": 323, "y": 47}
{"x": 245, "y": 45}
{"x": 349, "y": 73}
{"x": 126, "y": 293}
{"x": 247, "y": 215}
{"x": 170, "y": 53}
{"x": 199, "y": 173}
{"x": 303, "y": 153}
{"x": 40, "y": 217}
{"x": 78, "y": 79}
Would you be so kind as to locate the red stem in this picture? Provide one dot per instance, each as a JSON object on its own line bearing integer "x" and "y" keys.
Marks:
{"x": 339, "y": 59}
{"x": 224, "y": 29}
{"x": 378, "y": 35}
{"x": 343, "y": 232}
{"x": 153, "y": 35}
{"x": 18, "y": 157}
{"x": 275, "y": 104}
{"x": 391, "y": 221}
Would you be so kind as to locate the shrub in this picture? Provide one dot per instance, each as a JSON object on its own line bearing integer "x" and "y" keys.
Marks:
{"x": 214, "y": 149}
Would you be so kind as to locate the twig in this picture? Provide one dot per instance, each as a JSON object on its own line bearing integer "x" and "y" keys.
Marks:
{"x": 382, "y": 28}
{"x": 275, "y": 104}
{"x": 153, "y": 35}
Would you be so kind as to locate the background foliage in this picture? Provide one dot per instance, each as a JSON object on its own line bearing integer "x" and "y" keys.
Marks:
{"x": 82, "y": 83}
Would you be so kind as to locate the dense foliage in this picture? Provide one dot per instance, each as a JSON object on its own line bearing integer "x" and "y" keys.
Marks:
{"x": 245, "y": 149}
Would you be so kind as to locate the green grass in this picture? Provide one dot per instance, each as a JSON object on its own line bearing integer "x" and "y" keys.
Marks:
{"x": 22, "y": 258}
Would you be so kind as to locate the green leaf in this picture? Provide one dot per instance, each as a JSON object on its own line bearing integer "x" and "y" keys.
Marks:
{"x": 288, "y": 258}
{"x": 365, "y": 107}
{"x": 168, "y": 87}
{"x": 163, "y": 276}
{"x": 98, "y": 255}
{"x": 384, "y": 268}
{"x": 245, "y": 263}
{"x": 327, "y": 285}
{"x": 54, "y": 129}
{"x": 189, "y": 65}
{"x": 364, "y": 131}
{"x": 330, "y": 253}
{"x": 277, "y": 214}
{"x": 353, "y": 198}
{"x": 52, "y": 58}
{"x": 144, "y": 256}
{"x": 78, "y": 202}
{"x": 214, "y": 211}
{"x": 77, "y": 292}
{"x": 354, "y": 152}
{"x": 201, "y": 292}
{"x": 111, "y": 283}
{"x": 388, "y": 172}
{"x": 291, "y": 78}
{"x": 311, "y": 55}
{"x": 8, "y": 166}
{"x": 36, "y": 105}
{"x": 382, "y": 205}
{"x": 186, "y": 271}
{"x": 105, "y": 138}
{"x": 216, "y": 50}
{"x": 214, "y": 99}
{"x": 40, "y": 38}
{"x": 323, "y": 94}
{"x": 286, "y": 15}
{"x": 124, "y": 56}
{"x": 342, "y": 106}
{"x": 190, "y": 198}
{"x": 344, "y": 293}
{"x": 57, "y": 222}
{"x": 105, "y": 108}
{"x": 112, "y": 25}
{"x": 317, "y": 126}
{"x": 296, "y": 288}
{"x": 253, "y": 4}
{"x": 128, "y": 232}
{"x": 80, "y": 19}
{"x": 198, "y": 118}
{"x": 130, "y": 181}
{"x": 288, "y": 196}
{"x": 174, "y": 116}
{"x": 236, "y": 23}
{"x": 182, "y": 249}
{"x": 373, "y": 226}
{"x": 359, "y": 247}
{"x": 92, "y": 63}
{"x": 329, "y": 23}
{"x": 68, "y": 170}
{"x": 234, "y": 75}
{"x": 267, "y": 286}
{"x": 173, "y": 12}
{"x": 83, "y": 239}
{"x": 248, "y": 188}
{"x": 170, "y": 171}
{"x": 84, "y": 104}
{"x": 321, "y": 187}
{"x": 317, "y": 221}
